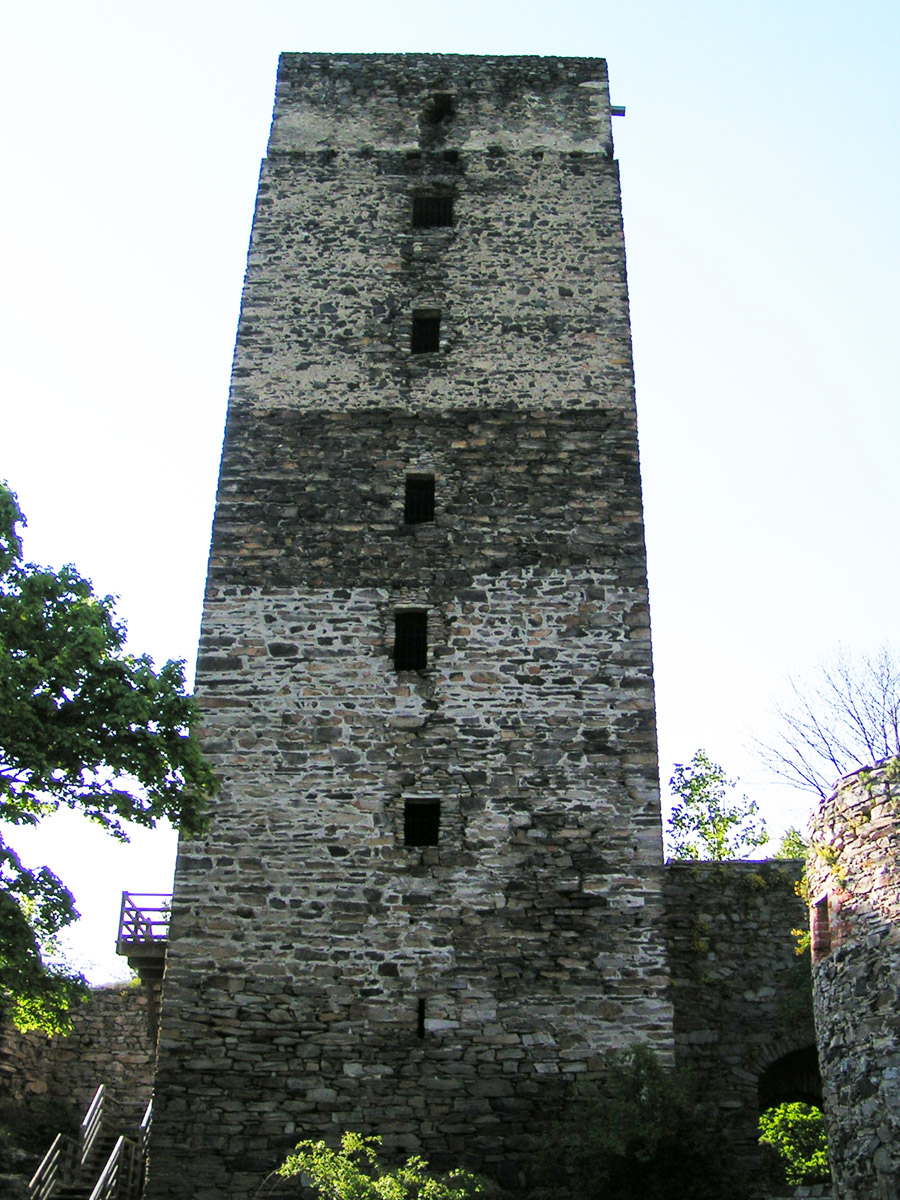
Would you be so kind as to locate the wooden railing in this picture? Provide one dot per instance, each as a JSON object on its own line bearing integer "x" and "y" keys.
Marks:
{"x": 57, "y": 1168}
{"x": 143, "y": 919}
{"x": 122, "y": 1178}
{"x": 91, "y": 1125}
{"x": 123, "y": 1175}
{"x": 67, "y": 1155}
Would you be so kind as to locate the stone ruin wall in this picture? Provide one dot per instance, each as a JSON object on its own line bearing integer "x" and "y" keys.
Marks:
{"x": 52, "y": 1080}
{"x": 741, "y": 994}
{"x": 322, "y": 974}
{"x": 854, "y": 892}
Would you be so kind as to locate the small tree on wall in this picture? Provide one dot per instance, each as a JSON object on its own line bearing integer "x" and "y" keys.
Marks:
{"x": 707, "y": 821}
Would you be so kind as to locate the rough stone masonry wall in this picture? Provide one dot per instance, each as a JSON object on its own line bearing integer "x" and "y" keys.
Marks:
{"x": 55, "y": 1078}
{"x": 740, "y": 991}
{"x": 322, "y": 974}
{"x": 854, "y": 881}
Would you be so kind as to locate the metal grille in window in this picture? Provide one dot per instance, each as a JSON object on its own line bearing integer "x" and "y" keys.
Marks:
{"x": 431, "y": 211}
{"x": 426, "y": 331}
{"x": 421, "y": 822}
{"x": 410, "y": 641}
{"x": 419, "y": 502}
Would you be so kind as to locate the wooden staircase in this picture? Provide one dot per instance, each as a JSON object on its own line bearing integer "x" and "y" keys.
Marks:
{"x": 99, "y": 1163}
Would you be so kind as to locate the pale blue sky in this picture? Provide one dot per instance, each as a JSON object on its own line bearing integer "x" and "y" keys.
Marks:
{"x": 759, "y": 160}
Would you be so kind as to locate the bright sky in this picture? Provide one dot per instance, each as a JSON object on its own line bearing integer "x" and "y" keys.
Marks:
{"x": 759, "y": 159}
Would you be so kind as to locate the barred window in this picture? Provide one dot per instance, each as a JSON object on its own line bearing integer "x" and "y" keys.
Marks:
{"x": 418, "y": 503}
{"x": 428, "y": 212}
{"x": 411, "y": 641}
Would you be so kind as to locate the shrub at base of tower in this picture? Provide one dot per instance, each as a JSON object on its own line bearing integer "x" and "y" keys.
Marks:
{"x": 354, "y": 1173}
{"x": 640, "y": 1136}
{"x": 796, "y": 1132}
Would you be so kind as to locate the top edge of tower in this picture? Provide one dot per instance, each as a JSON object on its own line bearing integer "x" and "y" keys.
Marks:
{"x": 408, "y": 101}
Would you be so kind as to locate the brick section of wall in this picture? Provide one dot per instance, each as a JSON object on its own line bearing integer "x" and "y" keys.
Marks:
{"x": 740, "y": 992}
{"x": 109, "y": 1044}
{"x": 305, "y": 933}
{"x": 854, "y": 868}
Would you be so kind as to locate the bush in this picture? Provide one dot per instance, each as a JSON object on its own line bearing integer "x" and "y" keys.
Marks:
{"x": 354, "y": 1173}
{"x": 796, "y": 1132}
{"x": 639, "y": 1136}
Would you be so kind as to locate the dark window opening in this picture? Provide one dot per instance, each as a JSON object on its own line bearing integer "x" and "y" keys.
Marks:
{"x": 821, "y": 930}
{"x": 421, "y": 822}
{"x": 410, "y": 641}
{"x": 418, "y": 504}
{"x": 420, "y": 1018}
{"x": 426, "y": 331}
{"x": 429, "y": 212}
{"x": 441, "y": 107}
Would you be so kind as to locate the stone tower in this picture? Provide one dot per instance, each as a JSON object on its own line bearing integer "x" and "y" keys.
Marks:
{"x": 430, "y": 895}
{"x": 853, "y": 877}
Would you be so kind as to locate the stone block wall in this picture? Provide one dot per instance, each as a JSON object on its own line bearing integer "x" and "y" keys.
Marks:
{"x": 741, "y": 995}
{"x": 323, "y": 974}
{"x": 53, "y": 1079}
{"x": 854, "y": 889}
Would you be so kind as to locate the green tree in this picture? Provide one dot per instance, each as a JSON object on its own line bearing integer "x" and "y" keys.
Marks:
{"x": 354, "y": 1173}
{"x": 84, "y": 725}
{"x": 792, "y": 844}
{"x": 706, "y": 821}
{"x": 796, "y": 1132}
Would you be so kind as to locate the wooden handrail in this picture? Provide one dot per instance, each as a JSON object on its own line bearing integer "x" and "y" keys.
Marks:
{"x": 144, "y": 918}
{"x": 120, "y": 1179}
{"x": 55, "y": 1167}
{"x": 91, "y": 1125}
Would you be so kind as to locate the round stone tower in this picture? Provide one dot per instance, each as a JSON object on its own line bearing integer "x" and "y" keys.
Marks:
{"x": 854, "y": 894}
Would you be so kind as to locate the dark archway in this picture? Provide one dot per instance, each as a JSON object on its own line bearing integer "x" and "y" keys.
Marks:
{"x": 794, "y": 1076}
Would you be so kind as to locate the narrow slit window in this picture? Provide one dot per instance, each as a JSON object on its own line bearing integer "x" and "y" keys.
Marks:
{"x": 420, "y": 1018}
{"x": 426, "y": 331}
{"x": 430, "y": 212}
{"x": 410, "y": 641}
{"x": 820, "y": 930}
{"x": 421, "y": 822}
{"x": 418, "y": 505}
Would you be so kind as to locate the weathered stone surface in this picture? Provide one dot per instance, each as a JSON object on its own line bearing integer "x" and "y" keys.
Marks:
{"x": 445, "y": 996}
{"x": 110, "y": 1043}
{"x": 854, "y": 889}
{"x": 741, "y": 994}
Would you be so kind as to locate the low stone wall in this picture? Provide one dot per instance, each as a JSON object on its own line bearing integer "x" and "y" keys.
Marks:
{"x": 854, "y": 889}
{"x": 741, "y": 994}
{"x": 50, "y": 1081}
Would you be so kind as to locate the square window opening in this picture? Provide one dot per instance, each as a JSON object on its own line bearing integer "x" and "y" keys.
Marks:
{"x": 418, "y": 505}
{"x": 426, "y": 331}
{"x": 421, "y": 822}
{"x": 410, "y": 641}
{"x": 431, "y": 212}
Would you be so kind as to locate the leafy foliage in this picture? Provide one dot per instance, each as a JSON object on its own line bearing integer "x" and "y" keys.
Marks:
{"x": 796, "y": 1132}
{"x": 845, "y": 717}
{"x": 85, "y": 725}
{"x": 792, "y": 845}
{"x": 640, "y": 1136}
{"x": 354, "y": 1173}
{"x": 705, "y": 823}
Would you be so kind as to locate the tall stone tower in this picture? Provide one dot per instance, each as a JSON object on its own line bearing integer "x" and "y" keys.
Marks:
{"x": 430, "y": 895}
